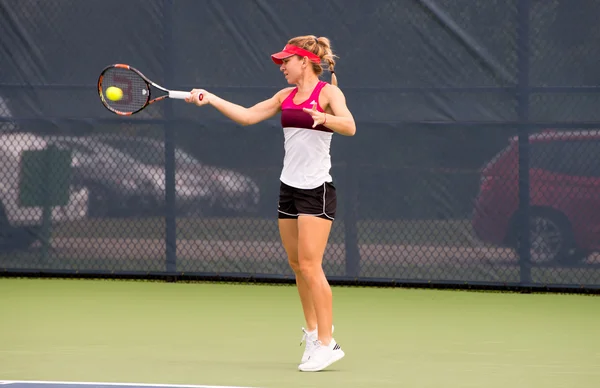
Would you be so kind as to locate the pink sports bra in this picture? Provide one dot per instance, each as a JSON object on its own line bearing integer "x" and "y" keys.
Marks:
{"x": 292, "y": 115}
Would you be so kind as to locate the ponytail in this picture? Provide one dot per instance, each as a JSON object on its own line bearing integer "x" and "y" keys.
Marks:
{"x": 326, "y": 53}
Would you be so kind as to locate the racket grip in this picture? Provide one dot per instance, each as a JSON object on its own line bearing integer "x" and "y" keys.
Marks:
{"x": 179, "y": 95}
{"x": 182, "y": 95}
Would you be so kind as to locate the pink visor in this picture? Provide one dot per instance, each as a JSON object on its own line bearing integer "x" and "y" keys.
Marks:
{"x": 291, "y": 50}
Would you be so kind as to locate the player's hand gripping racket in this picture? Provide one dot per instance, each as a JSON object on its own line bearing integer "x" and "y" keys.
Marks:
{"x": 124, "y": 90}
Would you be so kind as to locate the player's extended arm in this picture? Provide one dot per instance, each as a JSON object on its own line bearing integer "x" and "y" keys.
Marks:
{"x": 241, "y": 115}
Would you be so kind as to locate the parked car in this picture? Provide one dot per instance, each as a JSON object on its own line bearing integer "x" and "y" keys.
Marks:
{"x": 19, "y": 225}
{"x": 119, "y": 185}
{"x": 201, "y": 189}
{"x": 564, "y": 175}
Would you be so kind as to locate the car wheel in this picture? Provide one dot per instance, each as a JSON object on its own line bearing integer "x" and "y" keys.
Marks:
{"x": 200, "y": 209}
{"x": 5, "y": 229}
{"x": 19, "y": 238}
{"x": 551, "y": 238}
{"x": 99, "y": 203}
{"x": 140, "y": 206}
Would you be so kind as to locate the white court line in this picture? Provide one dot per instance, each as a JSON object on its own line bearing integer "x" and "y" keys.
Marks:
{"x": 6, "y": 382}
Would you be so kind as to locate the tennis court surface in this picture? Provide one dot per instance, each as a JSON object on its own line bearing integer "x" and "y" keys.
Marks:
{"x": 55, "y": 333}
{"x": 72, "y": 384}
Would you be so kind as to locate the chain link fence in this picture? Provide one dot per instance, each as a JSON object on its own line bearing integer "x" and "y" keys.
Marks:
{"x": 475, "y": 159}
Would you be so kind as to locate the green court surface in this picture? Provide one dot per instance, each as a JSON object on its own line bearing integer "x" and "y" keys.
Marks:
{"x": 249, "y": 335}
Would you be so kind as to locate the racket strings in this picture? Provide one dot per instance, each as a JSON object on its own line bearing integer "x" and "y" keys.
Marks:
{"x": 136, "y": 92}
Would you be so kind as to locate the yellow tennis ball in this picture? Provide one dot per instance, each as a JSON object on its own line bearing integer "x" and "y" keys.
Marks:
{"x": 114, "y": 93}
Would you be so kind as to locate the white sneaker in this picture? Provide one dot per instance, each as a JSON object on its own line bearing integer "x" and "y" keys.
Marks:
{"x": 310, "y": 337}
{"x": 322, "y": 356}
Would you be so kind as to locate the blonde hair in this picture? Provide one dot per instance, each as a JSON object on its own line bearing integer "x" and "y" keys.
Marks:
{"x": 321, "y": 47}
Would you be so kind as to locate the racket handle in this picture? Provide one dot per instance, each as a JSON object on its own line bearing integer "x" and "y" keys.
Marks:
{"x": 182, "y": 95}
{"x": 179, "y": 95}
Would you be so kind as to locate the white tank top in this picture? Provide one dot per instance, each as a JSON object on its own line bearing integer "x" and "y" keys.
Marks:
{"x": 307, "y": 160}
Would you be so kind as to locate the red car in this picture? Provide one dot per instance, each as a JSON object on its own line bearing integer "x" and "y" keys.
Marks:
{"x": 564, "y": 196}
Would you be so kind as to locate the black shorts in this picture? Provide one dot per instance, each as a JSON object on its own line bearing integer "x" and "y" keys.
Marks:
{"x": 319, "y": 202}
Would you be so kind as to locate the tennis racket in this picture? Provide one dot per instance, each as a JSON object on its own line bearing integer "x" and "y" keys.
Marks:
{"x": 135, "y": 87}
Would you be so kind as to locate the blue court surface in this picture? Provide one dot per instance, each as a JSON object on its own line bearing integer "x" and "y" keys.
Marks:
{"x": 73, "y": 384}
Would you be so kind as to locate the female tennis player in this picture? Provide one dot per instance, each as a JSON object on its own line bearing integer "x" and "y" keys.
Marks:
{"x": 311, "y": 111}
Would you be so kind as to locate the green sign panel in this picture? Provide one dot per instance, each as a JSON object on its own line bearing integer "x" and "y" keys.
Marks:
{"x": 45, "y": 178}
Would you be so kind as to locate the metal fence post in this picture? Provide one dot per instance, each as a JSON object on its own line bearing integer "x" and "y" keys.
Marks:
{"x": 169, "y": 136}
{"x": 351, "y": 220}
{"x": 523, "y": 88}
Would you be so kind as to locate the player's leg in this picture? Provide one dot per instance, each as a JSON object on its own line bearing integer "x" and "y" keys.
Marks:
{"x": 313, "y": 233}
{"x": 288, "y": 230}
{"x": 316, "y": 209}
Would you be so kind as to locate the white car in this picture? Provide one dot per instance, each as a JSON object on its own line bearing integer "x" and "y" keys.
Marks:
{"x": 19, "y": 224}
